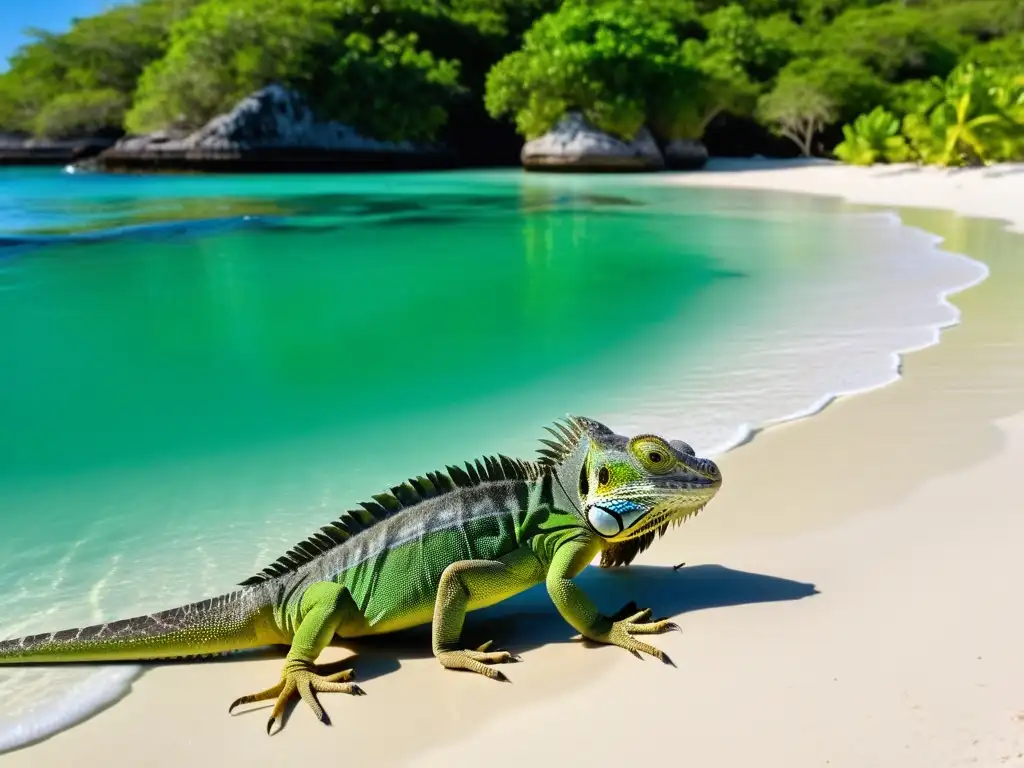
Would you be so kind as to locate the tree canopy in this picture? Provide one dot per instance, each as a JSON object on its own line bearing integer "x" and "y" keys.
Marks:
{"x": 613, "y": 61}
{"x": 821, "y": 72}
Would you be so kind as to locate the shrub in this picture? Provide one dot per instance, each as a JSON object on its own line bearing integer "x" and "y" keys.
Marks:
{"x": 872, "y": 138}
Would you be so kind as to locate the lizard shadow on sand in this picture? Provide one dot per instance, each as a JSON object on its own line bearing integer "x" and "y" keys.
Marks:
{"x": 529, "y": 620}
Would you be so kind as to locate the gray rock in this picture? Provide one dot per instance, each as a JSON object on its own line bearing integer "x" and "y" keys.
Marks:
{"x": 153, "y": 142}
{"x": 278, "y": 117}
{"x": 272, "y": 129}
{"x": 20, "y": 149}
{"x": 12, "y": 140}
{"x": 272, "y": 118}
{"x": 686, "y": 154}
{"x": 575, "y": 144}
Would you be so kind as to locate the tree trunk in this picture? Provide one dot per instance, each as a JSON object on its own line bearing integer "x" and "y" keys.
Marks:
{"x": 797, "y": 136}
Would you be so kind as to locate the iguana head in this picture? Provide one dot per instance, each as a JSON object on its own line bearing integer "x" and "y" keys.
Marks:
{"x": 629, "y": 489}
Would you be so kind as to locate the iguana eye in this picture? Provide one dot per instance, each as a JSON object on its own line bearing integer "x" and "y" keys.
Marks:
{"x": 653, "y": 453}
{"x": 602, "y": 476}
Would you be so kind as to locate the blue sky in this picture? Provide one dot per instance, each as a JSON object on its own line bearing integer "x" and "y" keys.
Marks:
{"x": 52, "y": 15}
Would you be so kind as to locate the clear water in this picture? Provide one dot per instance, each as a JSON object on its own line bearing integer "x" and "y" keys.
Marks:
{"x": 196, "y": 372}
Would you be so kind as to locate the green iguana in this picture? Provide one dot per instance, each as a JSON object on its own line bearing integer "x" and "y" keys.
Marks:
{"x": 428, "y": 551}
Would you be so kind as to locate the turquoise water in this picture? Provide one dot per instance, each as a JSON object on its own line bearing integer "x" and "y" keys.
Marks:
{"x": 195, "y": 372}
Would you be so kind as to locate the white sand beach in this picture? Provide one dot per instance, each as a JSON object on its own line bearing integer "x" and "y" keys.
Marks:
{"x": 993, "y": 192}
{"x": 851, "y": 599}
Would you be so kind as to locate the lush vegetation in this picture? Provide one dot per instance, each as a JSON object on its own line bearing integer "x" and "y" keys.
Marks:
{"x": 934, "y": 81}
{"x": 395, "y": 69}
{"x": 974, "y": 116}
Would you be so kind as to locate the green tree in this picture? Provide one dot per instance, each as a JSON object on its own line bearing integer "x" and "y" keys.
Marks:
{"x": 978, "y": 20}
{"x": 103, "y": 54}
{"x": 721, "y": 80}
{"x": 384, "y": 85}
{"x": 811, "y": 94}
{"x": 224, "y": 51}
{"x": 408, "y": 88}
{"x": 110, "y": 50}
{"x": 785, "y": 39}
{"x": 756, "y": 8}
{"x": 916, "y": 96}
{"x": 1004, "y": 52}
{"x": 608, "y": 60}
{"x": 893, "y": 41}
{"x": 32, "y": 80}
{"x": 820, "y": 13}
{"x": 798, "y": 109}
{"x": 756, "y": 47}
{"x": 81, "y": 113}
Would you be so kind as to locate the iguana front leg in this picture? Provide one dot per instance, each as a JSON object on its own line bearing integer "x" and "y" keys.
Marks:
{"x": 468, "y": 582}
{"x": 576, "y": 608}
{"x": 324, "y": 605}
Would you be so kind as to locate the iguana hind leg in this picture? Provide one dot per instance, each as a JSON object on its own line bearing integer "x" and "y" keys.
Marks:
{"x": 324, "y": 606}
{"x": 468, "y": 582}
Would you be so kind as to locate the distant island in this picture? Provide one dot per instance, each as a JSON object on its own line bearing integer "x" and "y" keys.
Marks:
{"x": 573, "y": 85}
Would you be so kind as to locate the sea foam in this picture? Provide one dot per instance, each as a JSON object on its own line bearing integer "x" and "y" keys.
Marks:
{"x": 79, "y": 702}
{"x": 839, "y": 333}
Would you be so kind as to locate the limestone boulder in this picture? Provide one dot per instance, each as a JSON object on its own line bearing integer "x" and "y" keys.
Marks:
{"x": 272, "y": 129}
{"x": 576, "y": 145}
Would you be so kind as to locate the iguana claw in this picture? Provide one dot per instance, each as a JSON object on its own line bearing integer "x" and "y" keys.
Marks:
{"x": 301, "y": 677}
{"x": 477, "y": 661}
{"x": 622, "y": 630}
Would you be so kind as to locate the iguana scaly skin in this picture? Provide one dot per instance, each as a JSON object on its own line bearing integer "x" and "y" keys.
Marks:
{"x": 428, "y": 551}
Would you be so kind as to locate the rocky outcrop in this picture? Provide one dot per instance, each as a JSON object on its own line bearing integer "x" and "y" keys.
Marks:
{"x": 18, "y": 149}
{"x": 273, "y": 129}
{"x": 576, "y": 145}
{"x": 685, "y": 154}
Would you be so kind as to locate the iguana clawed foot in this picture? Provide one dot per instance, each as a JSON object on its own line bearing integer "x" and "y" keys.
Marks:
{"x": 477, "y": 661}
{"x": 302, "y": 677}
{"x": 621, "y": 632}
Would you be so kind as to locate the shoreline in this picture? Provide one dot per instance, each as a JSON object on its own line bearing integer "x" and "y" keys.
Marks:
{"x": 955, "y": 189}
{"x": 774, "y": 175}
{"x": 565, "y": 671}
{"x": 944, "y": 297}
{"x": 977, "y": 221}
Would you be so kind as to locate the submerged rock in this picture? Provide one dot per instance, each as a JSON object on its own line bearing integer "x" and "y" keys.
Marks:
{"x": 19, "y": 149}
{"x": 576, "y": 145}
{"x": 686, "y": 154}
{"x": 274, "y": 129}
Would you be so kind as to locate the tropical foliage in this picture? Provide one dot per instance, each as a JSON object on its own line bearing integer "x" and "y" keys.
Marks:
{"x": 82, "y": 68}
{"x": 935, "y": 81}
{"x": 872, "y": 138}
{"x": 974, "y": 116}
{"x": 226, "y": 49}
{"x": 613, "y": 61}
{"x": 978, "y": 119}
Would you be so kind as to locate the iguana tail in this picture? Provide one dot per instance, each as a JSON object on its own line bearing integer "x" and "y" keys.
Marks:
{"x": 231, "y": 622}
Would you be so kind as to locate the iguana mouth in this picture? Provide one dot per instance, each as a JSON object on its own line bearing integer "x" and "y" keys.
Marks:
{"x": 659, "y": 519}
